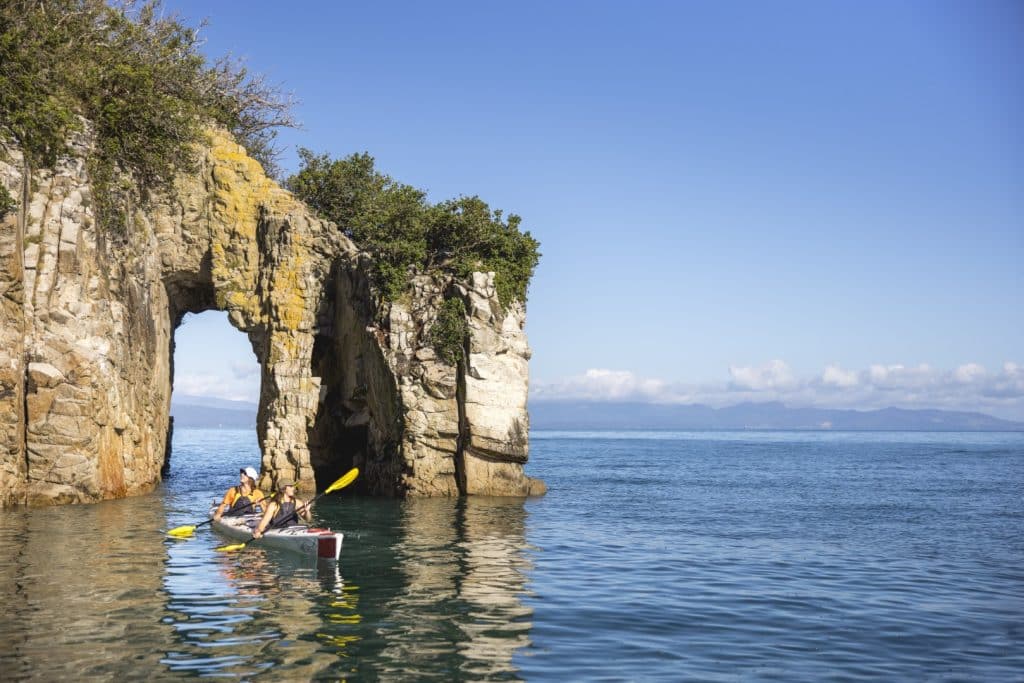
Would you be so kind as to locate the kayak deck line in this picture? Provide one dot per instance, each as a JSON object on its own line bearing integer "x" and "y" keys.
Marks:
{"x": 315, "y": 542}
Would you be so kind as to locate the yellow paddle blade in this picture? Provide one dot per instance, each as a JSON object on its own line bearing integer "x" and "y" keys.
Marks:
{"x": 344, "y": 481}
{"x": 181, "y": 531}
{"x": 230, "y": 548}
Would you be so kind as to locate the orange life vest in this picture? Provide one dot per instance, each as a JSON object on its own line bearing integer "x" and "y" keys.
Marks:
{"x": 238, "y": 501}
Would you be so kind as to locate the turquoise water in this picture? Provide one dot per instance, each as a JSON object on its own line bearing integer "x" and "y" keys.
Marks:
{"x": 654, "y": 556}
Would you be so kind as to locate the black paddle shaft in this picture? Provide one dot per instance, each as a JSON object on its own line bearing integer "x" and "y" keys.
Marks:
{"x": 244, "y": 507}
{"x": 295, "y": 515}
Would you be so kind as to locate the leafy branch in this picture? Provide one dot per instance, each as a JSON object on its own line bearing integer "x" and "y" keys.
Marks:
{"x": 134, "y": 72}
{"x": 407, "y": 234}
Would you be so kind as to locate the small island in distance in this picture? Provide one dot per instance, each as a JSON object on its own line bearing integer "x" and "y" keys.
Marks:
{"x": 198, "y": 412}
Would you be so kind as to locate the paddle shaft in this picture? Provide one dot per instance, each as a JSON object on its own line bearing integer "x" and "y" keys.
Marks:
{"x": 340, "y": 483}
{"x": 295, "y": 514}
{"x": 193, "y": 527}
{"x": 244, "y": 507}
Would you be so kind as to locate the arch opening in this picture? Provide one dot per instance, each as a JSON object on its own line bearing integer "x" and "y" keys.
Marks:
{"x": 215, "y": 376}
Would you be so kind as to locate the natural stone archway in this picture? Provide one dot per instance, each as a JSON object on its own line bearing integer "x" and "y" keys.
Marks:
{"x": 346, "y": 380}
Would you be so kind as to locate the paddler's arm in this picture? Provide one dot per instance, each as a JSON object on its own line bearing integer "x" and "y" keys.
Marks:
{"x": 265, "y": 520}
{"x": 224, "y": 504}
{"x": 303, "y": 510}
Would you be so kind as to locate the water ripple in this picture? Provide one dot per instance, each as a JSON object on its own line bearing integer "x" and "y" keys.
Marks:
{"x": 717, "y": 557}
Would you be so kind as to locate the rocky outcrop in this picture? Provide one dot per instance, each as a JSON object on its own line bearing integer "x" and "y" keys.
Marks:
{"x": 347, "y": 380}
{"x": 90, "y": 401}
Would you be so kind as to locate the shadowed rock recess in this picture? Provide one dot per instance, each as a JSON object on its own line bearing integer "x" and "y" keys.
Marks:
{"x": 87, "y": 342}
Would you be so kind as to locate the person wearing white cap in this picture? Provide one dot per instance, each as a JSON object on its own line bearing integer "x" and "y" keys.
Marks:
{"x": 242, "y": 498}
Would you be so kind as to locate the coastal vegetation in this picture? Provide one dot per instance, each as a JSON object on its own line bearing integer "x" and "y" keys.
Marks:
{"x": 7, "y": 203}
{"x": 135, "y": 78}
{"x": 407, "y": 234}
{"x": 449, "y": 330}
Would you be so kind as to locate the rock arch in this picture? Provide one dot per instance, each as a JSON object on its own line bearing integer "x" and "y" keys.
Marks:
{"x": 85, "y": 381}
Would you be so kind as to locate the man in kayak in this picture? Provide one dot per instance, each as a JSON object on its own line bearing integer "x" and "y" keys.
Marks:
{"x": 283, "y": 509}
{"x": 242, "y": 498}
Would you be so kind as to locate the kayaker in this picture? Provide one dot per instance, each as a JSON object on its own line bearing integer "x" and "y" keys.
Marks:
{"x": 283, "y": 509}
{"x": 242, "y": 498}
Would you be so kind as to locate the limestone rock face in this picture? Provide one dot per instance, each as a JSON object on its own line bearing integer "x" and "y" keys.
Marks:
{"x": 87, "y": 337}
{"x": 495, "y": 421}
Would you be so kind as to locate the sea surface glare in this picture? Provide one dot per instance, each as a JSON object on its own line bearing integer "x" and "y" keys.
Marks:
{"x": 657, "y": 556}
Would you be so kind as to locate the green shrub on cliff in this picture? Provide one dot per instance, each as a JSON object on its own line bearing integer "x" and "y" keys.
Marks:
{"x": 7, "y": 203}
{"x": 448, "y": 333}
{"x": 380, "y": 214}
{"x": 137, "y": 75}
{"x": 465, "y": 235}
{"x": 407, "y": 234}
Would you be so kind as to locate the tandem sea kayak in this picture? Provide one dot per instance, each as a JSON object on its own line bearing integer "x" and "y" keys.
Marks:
{"x": 308, "y": 541}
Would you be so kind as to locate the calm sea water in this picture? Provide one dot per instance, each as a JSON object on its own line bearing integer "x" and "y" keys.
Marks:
{"x": 654, "y": 557}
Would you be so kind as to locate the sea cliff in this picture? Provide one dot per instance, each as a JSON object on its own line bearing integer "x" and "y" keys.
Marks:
{"x": 348, "y": 377}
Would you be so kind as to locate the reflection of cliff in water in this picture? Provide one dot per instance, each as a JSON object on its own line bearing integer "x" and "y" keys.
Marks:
{"x": 433, "y": 588}
{"x": 465, "y": 571}
{"x": 248, "y": 612}
{"x": 76, "y": 584}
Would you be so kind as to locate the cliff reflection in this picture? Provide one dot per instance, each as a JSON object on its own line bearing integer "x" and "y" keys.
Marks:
{"x": 241, "y": 614}
{"x": 78, "y": 583}
{"x": 465, "y": 572}
{"x": 493, "y": 582}
{"x": 432, "y": 588}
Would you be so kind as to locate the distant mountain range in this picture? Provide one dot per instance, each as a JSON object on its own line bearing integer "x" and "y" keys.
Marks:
{"x": 212, "y": 413}
{"x": 598, "y": 415}
{"x": 201, "y": 412}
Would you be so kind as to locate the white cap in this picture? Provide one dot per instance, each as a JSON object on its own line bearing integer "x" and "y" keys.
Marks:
{"x": 250, "y": 472}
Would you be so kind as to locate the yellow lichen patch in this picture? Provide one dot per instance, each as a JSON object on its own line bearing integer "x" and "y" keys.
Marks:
{"x": 282, "y": 348}
{"x": 240, "y": 181}
{"x": 240, "y": 192}
{"x": 242, "y": 301}
{"x": 289, "y": 302}
{"x": 240, "y": 196}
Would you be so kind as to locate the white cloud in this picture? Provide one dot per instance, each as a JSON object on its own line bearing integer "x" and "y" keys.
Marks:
{"x": 1007, "y": 385}
{"x": 607, "y": 385}
{"x": 231, "y": 387}
{"x": 837, "y": 377}
{"x": 968, "y": 387}
{"x": 899, "y": 376}
{"x": 245, "y": 371}
{"x": 775, "y": 374}
{"x": 969, "y": 373}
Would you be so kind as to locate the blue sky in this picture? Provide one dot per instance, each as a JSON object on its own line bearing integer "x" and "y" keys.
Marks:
{"x": 818, "y": 202}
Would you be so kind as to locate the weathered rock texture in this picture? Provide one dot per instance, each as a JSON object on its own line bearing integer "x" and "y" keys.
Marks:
{"x": 87, "y": 338}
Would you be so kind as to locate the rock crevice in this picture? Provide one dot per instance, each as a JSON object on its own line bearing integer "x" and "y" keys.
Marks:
{"x": 86, "y": 346}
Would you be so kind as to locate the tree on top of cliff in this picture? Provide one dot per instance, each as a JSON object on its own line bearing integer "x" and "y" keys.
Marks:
{"x": 136, "y": 75}
{"x": 406, "y": 234}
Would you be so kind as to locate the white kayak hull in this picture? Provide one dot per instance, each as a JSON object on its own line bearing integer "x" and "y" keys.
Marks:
{"x": 322, "y": 544}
